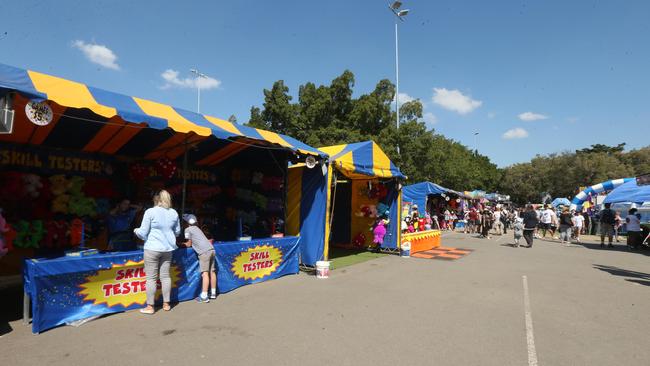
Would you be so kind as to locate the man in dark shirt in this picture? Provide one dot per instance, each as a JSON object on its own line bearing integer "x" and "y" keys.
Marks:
{"x": 530, "y": 223}
{"x": 607, "y": 220}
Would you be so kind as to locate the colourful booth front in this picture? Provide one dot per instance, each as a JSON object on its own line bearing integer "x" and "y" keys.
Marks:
{"x": 343, "y": 200}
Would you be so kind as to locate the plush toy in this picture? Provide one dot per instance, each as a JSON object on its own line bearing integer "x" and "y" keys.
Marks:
{"x": 404, "y": 226}
{"x": 166, "y": 167}
{"x": 56, "y": 231}
{"x": 427, "y": 222}
{"x": 29, "y": 235}
{"x": 257, "y": 178}
{"x": 12, "y": 186}
{"x": 76, "y": 232}
{"x": 59, "y": 184}
{"x": 4, "y": 229}
{"x": 272, "y": 183}
{"x": 379, "y": 232}
{"x": 359, "y": 240}
{"x": 138, "y": 172}
{"x": 60, "y": 203}
{"x": 32, "y": 185}
{"x": 82, "y": 206}
{"x": 422, "y": 224}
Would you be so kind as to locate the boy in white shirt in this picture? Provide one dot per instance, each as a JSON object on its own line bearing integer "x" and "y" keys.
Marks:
{"x": 578, "y": 223}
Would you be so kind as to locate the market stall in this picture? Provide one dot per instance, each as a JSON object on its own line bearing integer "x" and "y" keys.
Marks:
{"x": 427, "y": 198}
{"x": 343, "y": 201}
{"x": 71, "y": 154}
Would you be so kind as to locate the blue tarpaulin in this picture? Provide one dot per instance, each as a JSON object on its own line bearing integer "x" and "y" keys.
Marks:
{"x": 629, "y": 192}
{"x": 67, "y": 289}
{"x": 418, "y": 193}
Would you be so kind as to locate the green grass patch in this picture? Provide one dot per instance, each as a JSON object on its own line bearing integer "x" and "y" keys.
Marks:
{"x": 346, "y": 257}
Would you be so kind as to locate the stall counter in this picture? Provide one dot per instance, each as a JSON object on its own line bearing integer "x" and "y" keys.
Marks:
{"x": 67, "y": 289}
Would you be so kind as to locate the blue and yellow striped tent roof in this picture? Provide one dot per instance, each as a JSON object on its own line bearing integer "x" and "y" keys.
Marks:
{"x": 362, "y": 160}
{"x": 123, "y": 123}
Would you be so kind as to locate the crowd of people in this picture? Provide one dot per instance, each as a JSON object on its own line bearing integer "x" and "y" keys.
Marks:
{"x": 557, "y": 223}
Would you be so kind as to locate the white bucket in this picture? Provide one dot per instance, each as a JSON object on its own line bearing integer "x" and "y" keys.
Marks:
{"x": 322, "y": 269}
{"x": 405, "y": 249}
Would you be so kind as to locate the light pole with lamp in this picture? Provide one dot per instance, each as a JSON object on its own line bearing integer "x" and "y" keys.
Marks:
{"x": 399, "y": 14}
{"x": 199, "y": 75}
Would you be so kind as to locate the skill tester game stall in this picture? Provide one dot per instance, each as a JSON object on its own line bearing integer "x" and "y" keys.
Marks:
{"x": 364, "y": 189}
{"x": 426, "y": 197}
{"x": 70, "y": 153}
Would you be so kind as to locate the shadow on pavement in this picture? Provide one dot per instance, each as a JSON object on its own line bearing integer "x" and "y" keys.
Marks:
{"x": 640, "y": 282}
{"x": 11, "y": 307}
{"x": 638, "y": 277}
{"x": 616, "y": 248}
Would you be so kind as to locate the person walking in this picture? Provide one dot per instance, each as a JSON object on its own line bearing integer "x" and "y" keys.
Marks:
{"x": 498, "y": 224}
{"x": 530, "y": 224}
{"x": 578, "y": 223}
{"x": 587, "y": 223}
{"x": 617, "y": 225}
{"x": 518, "y": 231}
{"x": 633, "y": 225}
{"x": 607, "y": 221}
{"x": 547, "y": 220}
{"x": 566, "y": 226}
{"x": 486, "y": 223}
{"x": 159, "y": 228}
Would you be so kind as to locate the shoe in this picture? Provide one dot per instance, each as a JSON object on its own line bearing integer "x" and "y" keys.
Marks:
{"x": 202, "y": 300}
{"x": 213, "y": 296}
{"x": 147, "y": 311}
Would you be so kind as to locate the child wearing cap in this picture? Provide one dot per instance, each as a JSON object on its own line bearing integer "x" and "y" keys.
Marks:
{"x": 205, "y": 251}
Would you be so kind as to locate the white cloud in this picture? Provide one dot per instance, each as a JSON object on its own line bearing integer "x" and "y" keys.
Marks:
{"x": 573, "y": 119}
{"x": 404, "y": 98}
{"x": 454, "y": 100}
{"x": 172, "y": 80}
{"x": 429, "y": 118}
{"x": 491, "y": 115}
{"x": 98, "y": 54}
{"x": 530, "y": 116}
{"x": 515, "y": 133}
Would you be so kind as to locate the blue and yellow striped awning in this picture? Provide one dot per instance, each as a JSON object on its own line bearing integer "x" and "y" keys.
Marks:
{"x": 116, "y": 115}
{"x": 362, "y": 160}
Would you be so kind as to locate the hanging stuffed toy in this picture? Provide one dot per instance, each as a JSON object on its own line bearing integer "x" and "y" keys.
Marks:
{"x": 427, "y": 222}
{"x": 32, "y": 185}
{"x": 359, "y": 240}
{"x": 138, "y": 172}
{"x": 166, "y": 167}
{"x": 4, "y": 229}
{"x": 380, "y": 231}
{"x": 76, "y": 232}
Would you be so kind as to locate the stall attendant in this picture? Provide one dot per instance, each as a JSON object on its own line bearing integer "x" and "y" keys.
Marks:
{"x": 159, "y": 229}
{"x": 120, "y": 222}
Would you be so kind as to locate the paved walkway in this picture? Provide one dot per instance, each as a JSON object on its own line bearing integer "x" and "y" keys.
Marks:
{"x": 587, "y": 306}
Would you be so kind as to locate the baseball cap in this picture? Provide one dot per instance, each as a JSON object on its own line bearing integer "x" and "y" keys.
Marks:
{"x": 189, "y": 218}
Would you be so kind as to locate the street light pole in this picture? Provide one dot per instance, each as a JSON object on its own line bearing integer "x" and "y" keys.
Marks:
{"x": 198, "y": 87}
{"x": 399, "y": 14}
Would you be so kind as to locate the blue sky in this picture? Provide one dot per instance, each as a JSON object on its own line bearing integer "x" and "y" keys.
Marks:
{"x": 532, "y": 77}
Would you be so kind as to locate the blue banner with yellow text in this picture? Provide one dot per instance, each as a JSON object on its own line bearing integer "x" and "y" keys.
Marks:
{"x": 254, "y": 261}
{"x": 67, "y": 289}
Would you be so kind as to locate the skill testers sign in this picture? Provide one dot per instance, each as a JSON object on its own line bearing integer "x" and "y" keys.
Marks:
{"x": 256, "y": 261}
{"x": 122, "y": 284}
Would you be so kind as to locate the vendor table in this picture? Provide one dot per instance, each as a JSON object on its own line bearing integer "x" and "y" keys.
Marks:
{"x": 422, "y": 240}
{"x": 66, "y": 289}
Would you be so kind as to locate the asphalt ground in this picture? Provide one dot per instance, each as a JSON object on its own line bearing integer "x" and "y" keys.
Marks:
{"x": 588, "y": 306}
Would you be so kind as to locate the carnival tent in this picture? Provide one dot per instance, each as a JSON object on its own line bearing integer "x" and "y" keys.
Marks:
{"x": 561, "y": 201}
{"x": 417, "y": 193}
{"x": 94, "y": 120}
{"x": 609, "y": 185}
{"x": 356, "y": 165}
{"x": 629, "y": 192}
